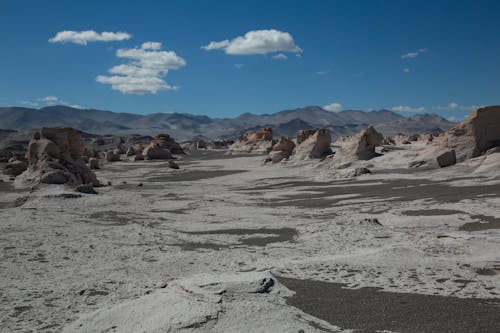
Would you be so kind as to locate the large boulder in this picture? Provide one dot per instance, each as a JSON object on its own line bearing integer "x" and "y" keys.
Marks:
{"x": 476, "y": 134}
{"x": 281, "y": 150}
{"x": 316, "y": 145}
{"x": 111, "y": 156}
{"x": 254, "y": 141}
{"x": 55, "y": 157}
{"x": 362, "y": 146}
{"x": 165, "y": 141}
{"x": 446, "y": 159}
{"x": 154, "y": 152}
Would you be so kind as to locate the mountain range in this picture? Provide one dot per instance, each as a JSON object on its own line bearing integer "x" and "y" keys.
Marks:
{"x": 187, "y": 126}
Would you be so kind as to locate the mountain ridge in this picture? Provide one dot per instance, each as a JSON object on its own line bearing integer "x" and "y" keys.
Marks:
{"x": 186, "y": 126}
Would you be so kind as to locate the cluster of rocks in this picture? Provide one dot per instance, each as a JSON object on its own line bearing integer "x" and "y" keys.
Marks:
{"x": 199, "y": 144}
{"x": 55, "y": 157}
{"x": 260, "y": 141}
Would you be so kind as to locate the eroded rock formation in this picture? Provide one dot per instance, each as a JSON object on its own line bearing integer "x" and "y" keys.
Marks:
{"x": 254, "y": 141}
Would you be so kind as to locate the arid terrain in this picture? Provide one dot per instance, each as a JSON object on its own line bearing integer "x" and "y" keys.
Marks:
{"x": 375, "y": 238}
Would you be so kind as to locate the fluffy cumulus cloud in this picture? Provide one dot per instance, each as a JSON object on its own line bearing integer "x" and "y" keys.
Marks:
{"x": 414, "y": 54}
{"x": 84, "y": 37}
{"x": 256, "y": 42}
{"x": 405, "y": 108}
{"x": 334, "y": 107}
{"x": 145, "y": 70}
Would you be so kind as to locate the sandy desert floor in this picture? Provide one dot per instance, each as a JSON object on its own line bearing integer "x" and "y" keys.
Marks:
{"x": 225, "y": 244}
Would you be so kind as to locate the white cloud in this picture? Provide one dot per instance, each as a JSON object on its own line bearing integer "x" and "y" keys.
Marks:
{"x": 334, "y": 107}
{"x": 406, "y": 70}
{"x": 323, "y": 72}
{"x": 452, "y": 106}
{"x": 144, "y": 72}
{"x": 238, "y": 66}
{"x": 280, "y": 56}
{"x": 256, "y": 42}
{"x": 415, "y": 54}
{"x": 48, "y": 101}
{"x": 452, "y": 118}
{"x": 405, "y": 108}
{"x": 83, "y": 37}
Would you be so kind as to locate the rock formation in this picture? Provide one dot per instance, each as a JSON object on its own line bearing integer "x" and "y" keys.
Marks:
{"x": 447, "y": 158}
{"x": 111, "y": 156}
{"x": 281, "y": 150}
{"x": 476, "y": 134}
{"x": 154, "y": 152}
{"x": 93, "y": 163}
{"x": 316, "y": 145}
{"x": 165, "y": 141}
{"x": 254, "y": 141}
{"x": 54, "y": 157}
{"x": 362, "y": 146}
{"x": 302, "y": 135}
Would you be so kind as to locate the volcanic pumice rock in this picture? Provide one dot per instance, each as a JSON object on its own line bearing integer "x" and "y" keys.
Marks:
{"x": 476, "y": 134}
{"x": 254, "y": 141}
{"x": 362, "y": 146}
{"x": 281, "y": 150}
{"x": 54, "y": 157}
{"x": 446, "y": 159}
{"x": 165, "y": 141}
{"x": 316, "y": 145}
{"x": 154, "y": 152}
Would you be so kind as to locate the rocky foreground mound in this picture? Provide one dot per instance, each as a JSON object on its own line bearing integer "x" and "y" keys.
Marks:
{"x": 254, "y": 141}
{"x": 55, "y": 157}
{"x": 362, "y": 146}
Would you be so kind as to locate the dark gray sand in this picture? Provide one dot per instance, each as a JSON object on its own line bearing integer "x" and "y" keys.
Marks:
{"x": 275, "y": 236}
{"x": 487, "y": 222}
{"x": 431, "y": 212}
{"x": 187, "y": 176}
{"x": 369, "y": 309}
{"x": 398, "y": 190}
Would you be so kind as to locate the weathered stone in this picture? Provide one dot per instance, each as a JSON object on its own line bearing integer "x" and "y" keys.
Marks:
{"x": 447, "y": 158}
{"x": 316, "y": 145}
{"x": 85, "y": 188}
{"x": 281, "y": 150}
{"x": 476, "y": 134}
{"x": 165, "y": 141}
{"x": 302, "y": 135}
{"x": 172, "y": 165}
{"x": 93, "y": 163}
{"x": 254, "y": 141}
{"x": 362, "y": 146}
{"x": 154, "y": 152}
{"x": 111, "y": 156}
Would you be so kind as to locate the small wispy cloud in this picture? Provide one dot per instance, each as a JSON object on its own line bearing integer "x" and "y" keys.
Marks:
{"x": 49, "y": 101}
{"x": 84, "y": 37}
{"x": 334, "y": 107}
{"x": 406, "y": 70}
{"x": 452, "y": 106}
{"x": 256, "y": 42}
{"x": 414, "y": 54}
{"x": 280, "y": 56}
{"x": 323, "y": 72}
{"x": 406, "y": 108}
{"x": 238, "y": 66}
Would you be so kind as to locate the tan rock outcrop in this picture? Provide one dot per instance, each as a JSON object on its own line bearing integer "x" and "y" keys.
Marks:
{"x": 165, "y": 141}
{"x": 154, "y": 152}
{"x": 476, "y": 134}
{"x": 54, "y": 157}
{"x": 316, "y": 145}
{"x": 111, "y": 156}
{"x": 302, "y": 135}
{"x": 362, "y": 146}
{"x": 254, "y": 141}
{"x": 281, "y": 150}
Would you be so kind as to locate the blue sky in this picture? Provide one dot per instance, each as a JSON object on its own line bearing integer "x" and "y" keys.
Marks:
{"x": 409, "y": 56}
